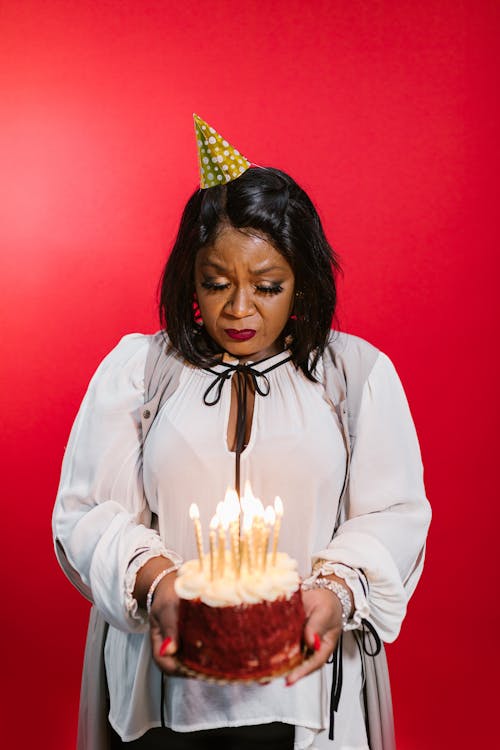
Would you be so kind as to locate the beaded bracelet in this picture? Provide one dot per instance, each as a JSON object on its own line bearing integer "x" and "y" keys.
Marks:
{"x": 154, "y": 585}
{"x": 338, "y": 589}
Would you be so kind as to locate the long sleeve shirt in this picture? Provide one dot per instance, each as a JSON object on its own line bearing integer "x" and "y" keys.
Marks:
{"x": 111, "y": 485}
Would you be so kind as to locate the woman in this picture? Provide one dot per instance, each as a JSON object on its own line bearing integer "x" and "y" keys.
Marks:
{"x": 250, "y": 281}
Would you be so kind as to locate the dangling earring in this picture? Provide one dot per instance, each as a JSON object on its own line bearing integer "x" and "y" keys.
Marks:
{"x": 298, "y": 296}
{"x": 290, "y": 328}
{"x": 198, "y": 320}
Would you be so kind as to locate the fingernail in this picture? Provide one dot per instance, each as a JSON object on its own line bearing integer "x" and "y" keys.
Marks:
{"x": 317, "y": 642}
{"x": 163, "y": 648}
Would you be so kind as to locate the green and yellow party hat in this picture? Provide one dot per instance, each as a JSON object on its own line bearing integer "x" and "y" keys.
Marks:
{"x": 219, "y": 161}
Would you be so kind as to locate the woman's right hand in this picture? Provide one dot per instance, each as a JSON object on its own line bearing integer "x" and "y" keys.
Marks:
{"x": 164, "y": 611}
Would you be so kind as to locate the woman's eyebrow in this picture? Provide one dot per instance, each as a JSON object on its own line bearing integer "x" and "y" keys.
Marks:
{"x": 256, "y": 272}
{"x": 267, "y": 269}
{"x": 213, "y": 264}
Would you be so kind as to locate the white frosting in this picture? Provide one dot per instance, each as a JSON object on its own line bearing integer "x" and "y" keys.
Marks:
{"x": 277, "y": 580}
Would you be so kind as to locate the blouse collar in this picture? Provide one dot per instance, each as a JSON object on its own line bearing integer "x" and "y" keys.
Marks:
{"x": 260, "y": 365}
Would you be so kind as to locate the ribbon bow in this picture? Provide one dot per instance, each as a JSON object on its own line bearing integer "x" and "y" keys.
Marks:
{"x": 247, "y": 372}
{"x": 248, "y": 376}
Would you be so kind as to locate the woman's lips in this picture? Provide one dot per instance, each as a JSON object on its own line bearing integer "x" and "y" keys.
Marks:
{"x": 242, "y": 334}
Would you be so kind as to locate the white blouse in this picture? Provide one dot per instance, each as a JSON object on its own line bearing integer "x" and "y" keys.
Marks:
{"x": 296, "y": 451}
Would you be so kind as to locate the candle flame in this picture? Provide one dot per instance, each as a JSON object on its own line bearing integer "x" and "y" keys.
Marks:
{"x": 224, "y": 515}
{"x": 214, "y": 523}
{"x": 252, "y": 507}
{"x": 194, "y": 511}
{"x": 258, "y": 508}
{"x": 246, "y": 505}
{"x": 247, "y": 522}
{"x": 232, "y": 504}
{"x": 231, "y": 496}
{"x": 269, "y": 516}
{"x": 278, "y": 506}
{"x": 247, "y": 492}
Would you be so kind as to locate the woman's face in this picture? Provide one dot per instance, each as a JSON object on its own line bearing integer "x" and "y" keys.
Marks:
{"x": 245, "y": 293}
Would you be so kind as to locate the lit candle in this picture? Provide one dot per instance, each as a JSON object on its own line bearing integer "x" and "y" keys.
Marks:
{"x": 247, "y": 550}
{"x": 258, "y": 532}
{"x": 269, "y": 519}
{"x": 222, "y": 540}
{"x": 232, "y": 511}
{"x": 214, "y": 523}
{"x": 248, "y": 508}
{"x": 278, "y": 507}
{"x": 194, "y": 514}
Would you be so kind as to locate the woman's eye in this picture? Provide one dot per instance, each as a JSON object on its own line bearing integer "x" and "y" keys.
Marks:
{"x": 214, "y": 286}
{"x": 217, "y": 286}
{"x": 274, "y": 289}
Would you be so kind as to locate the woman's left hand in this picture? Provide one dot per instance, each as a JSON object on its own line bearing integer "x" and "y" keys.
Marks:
{"x": 322, "y": 630}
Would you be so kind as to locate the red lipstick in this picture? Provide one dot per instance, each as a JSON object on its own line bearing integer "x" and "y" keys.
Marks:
{"x": 240, "y": 335}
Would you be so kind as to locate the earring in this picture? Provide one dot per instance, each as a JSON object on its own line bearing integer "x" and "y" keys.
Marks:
{"x": 198, "y": 320}
{"x": 299, "y": 295}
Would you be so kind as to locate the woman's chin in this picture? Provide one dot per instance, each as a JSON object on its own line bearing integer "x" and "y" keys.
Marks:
{"x": 250, "y": 349}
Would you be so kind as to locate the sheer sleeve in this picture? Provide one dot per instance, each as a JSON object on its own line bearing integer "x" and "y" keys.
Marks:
{"x": 101, "y": 518}
{"x": 387, "y": 511}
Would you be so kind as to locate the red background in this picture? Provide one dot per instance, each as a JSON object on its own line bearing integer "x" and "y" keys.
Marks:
{"x": 387, "y": 113}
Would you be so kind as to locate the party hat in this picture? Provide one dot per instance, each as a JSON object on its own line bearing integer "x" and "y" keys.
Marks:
{"x": 219, "y": 161}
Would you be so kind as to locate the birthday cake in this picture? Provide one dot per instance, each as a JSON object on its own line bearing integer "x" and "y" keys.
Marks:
{"x": 240, "y": 624}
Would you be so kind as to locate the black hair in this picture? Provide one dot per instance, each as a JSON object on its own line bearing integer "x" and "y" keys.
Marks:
{"x": 271, "y": 203}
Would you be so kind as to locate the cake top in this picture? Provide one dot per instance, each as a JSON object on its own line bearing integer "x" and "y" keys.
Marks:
{"x": 230, "y": 589}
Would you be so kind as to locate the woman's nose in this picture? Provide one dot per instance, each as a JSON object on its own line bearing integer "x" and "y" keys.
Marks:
{"x": 240, "y": 304}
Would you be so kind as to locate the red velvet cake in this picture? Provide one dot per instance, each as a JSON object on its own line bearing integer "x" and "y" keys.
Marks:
{"x": 245, "y": 627}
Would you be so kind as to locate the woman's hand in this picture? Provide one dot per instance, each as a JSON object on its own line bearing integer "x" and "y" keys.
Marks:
{"x": 163, "y": 625}
{"x": 164, "y": 610}
{"x": 321, "y": 632}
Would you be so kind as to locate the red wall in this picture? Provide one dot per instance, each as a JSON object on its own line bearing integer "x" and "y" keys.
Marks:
{"x": 387, "y": 113}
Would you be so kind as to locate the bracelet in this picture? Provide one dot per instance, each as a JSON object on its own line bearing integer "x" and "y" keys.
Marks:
{"x": 154, "y": 585}
{"x": 340, "y": 592}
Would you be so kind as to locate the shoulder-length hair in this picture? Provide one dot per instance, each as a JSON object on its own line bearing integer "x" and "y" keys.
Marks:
{"x": 271, "y": 203}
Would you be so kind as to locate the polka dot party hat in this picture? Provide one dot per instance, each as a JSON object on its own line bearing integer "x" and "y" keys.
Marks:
{"x": 219, "y": 161}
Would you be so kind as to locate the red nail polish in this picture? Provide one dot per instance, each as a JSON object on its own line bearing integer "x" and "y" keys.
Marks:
{"x": 317, "y": 642}
{"x": 163, "y": 648}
